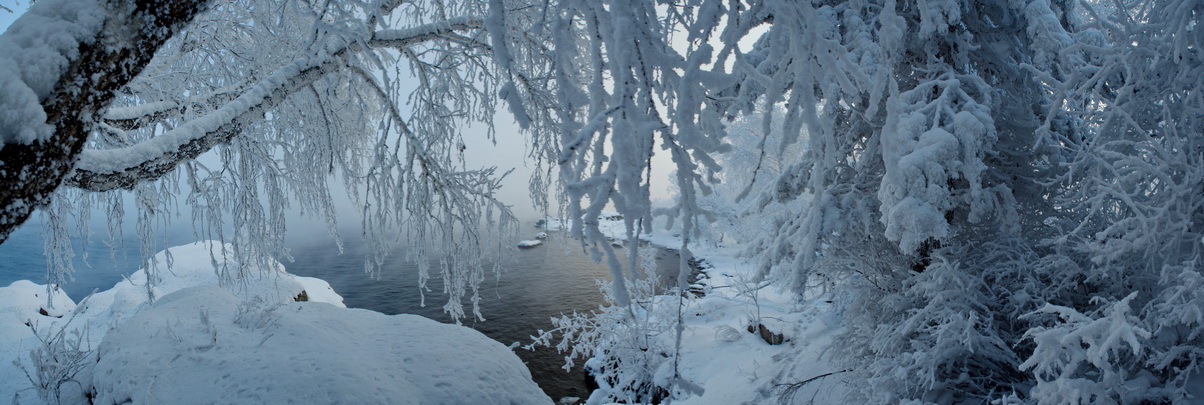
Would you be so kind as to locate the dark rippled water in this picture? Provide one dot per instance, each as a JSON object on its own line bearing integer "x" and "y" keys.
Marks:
{"x": 535, "y": 285}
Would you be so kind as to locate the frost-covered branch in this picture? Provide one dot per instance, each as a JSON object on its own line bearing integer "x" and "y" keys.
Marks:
{"x": 108, "y": 169}
{"x": 135, "y": 117}
{"x": 402, "y": 38}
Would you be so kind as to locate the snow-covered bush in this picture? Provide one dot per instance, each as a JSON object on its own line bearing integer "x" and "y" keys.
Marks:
{"x": 629, "y": 349}
{"x": 62, "y": 354}
{"x": 939, "y": 337}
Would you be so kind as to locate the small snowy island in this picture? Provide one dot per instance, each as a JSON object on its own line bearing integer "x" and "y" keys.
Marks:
{"x": 530, "y": 243}
{"x": 265, "y": 336}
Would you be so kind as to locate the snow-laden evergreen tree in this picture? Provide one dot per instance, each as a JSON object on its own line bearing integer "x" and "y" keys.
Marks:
{"x": 1131, "y": 209}
{"x": 961, "y": 181}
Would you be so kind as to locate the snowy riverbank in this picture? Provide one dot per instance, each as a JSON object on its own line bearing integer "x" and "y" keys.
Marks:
{"x": 248, "y": 342}
{"x": 719, "y": 352}
{"x": 251, "y": 342}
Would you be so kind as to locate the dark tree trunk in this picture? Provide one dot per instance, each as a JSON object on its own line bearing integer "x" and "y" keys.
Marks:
{"x": 30, "y": 173}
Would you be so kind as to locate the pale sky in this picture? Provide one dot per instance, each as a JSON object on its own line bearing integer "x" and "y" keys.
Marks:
{"x": 6, "y": 17}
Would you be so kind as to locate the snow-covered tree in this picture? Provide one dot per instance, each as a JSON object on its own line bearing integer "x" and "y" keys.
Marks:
{"x": 740, "y": 206}
{"x": 966, "y": 164}
{"x": 291, "y": 99}
{"x": 1131, "y": 207}
{"x": 994, "y": 184}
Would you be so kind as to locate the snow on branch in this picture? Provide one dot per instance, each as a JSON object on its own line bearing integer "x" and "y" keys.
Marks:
{"x": 108, "y": 169}
{"x": 401, "y": 38}
{"x": 134, "y": 117}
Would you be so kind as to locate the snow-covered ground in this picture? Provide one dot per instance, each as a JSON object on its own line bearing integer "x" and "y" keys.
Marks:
{"x": 249, "y": 342}
{"x": 242, "y": 342}
{"x": 733, "y": 365}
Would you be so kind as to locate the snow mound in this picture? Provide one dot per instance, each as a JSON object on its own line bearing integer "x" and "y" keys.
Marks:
{"x": 23, "y": 299}
{"x": 20, "y": 306}
{"x": 204, "y": 344}
{"x": 23, "y": 304}
{"x": 198, "y": 264}
{"x": 530, "y": 243}
{"x": 247, "y": 341}
{"x": 320, "y": 291}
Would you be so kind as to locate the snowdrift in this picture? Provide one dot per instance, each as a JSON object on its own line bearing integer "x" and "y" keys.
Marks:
{"x": 248, "y": 340}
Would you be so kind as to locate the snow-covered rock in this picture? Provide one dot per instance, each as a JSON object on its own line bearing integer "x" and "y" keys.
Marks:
{"x": 25, "y": 299}
{"x": 551, "y": 224}
{"x": 205, "y": 345}
{"x": 530, "y": 243}
{"x": 198, "y": 264}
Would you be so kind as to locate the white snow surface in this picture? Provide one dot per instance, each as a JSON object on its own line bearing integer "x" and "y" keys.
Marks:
{"x": 301, "y": 353}
{"x": 743, "y": 368}
{"x": 530, "y": 243}
{"x": 249, "y": 342}
{"x": 34, "y": 52}
{"x": 733, "y": 365}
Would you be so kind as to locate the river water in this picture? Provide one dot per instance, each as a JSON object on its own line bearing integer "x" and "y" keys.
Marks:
{"x": 535, "y": 284}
